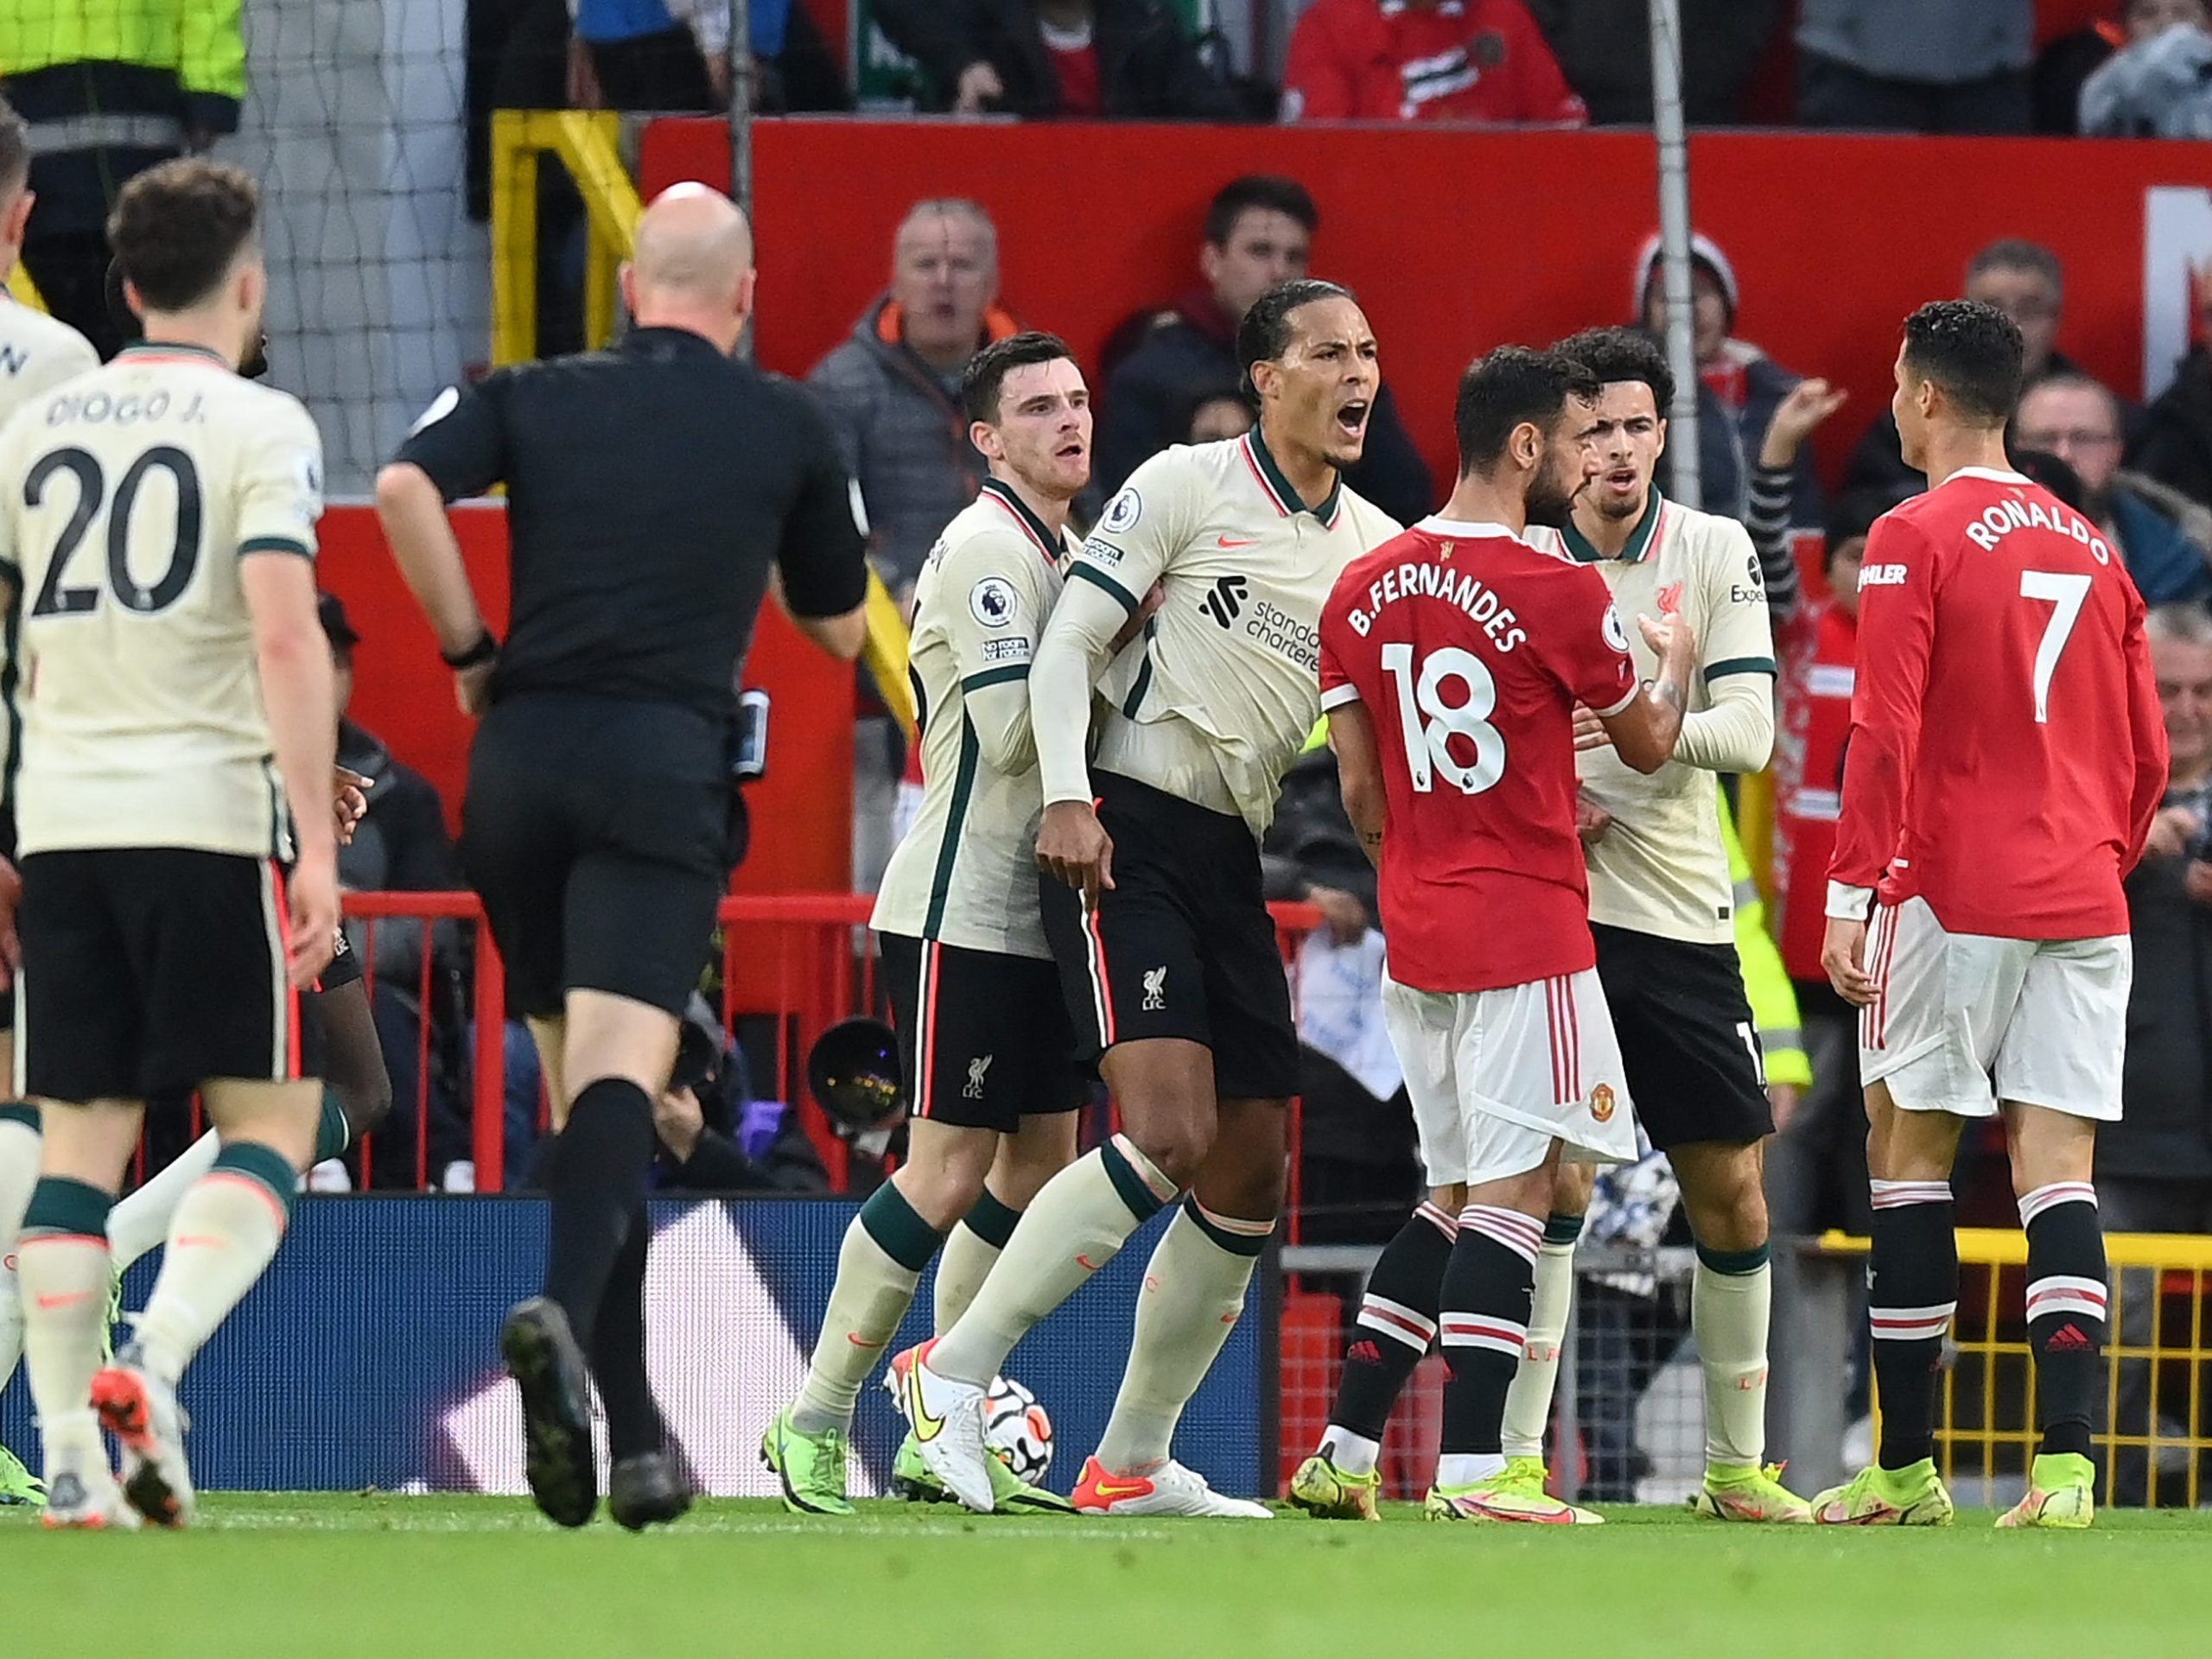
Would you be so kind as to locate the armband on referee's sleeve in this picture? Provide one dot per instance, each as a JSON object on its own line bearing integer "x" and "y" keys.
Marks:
{"x": 1849, "y": 904}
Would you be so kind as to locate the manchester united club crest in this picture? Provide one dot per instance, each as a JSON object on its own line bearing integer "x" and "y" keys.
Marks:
{"x": 1601, "y": 1103}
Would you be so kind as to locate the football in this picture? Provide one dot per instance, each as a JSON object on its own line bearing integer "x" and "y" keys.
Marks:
{"x": 1015, "y": 1424}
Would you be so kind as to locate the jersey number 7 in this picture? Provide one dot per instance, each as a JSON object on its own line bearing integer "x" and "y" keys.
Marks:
{"x": 2067, "y": 593}
{"x": 1429, "y": 724}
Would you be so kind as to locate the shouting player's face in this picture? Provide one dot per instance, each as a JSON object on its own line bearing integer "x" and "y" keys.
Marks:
{"x": 1570, "y": 452}
{"x": 1321, "y": 390}
{"x": 1626, "y": 440}
{"x": 1043, "y": 432}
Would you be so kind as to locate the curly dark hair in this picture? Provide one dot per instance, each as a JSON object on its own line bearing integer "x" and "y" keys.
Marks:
{"x": 1615, "y": 355}
{"x": 1510, "y": 387}
{"x": 177, "y": 227}
{"x": 1264, "y": 335}
{"x": 1972, "y": 352}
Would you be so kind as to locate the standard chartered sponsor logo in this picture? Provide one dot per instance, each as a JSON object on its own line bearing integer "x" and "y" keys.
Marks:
{"x": 1283, "y": 633}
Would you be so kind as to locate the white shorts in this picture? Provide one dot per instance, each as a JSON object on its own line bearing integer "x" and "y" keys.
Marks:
{"x": 1960, "y": 1022}
{"x": 1495, "y": 1077}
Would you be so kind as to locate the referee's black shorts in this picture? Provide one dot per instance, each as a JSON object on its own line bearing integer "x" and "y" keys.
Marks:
{"x": 595, "y": 830}
{"x": 1688, "y": 1045}
{"x": 1181, "y": 945}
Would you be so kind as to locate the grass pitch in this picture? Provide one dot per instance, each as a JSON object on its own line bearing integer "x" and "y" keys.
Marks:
{"x": 386, "y": 1576}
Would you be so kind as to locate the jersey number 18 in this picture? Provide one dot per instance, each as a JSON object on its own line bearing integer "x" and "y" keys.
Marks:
{"x": 1429, "y": 724}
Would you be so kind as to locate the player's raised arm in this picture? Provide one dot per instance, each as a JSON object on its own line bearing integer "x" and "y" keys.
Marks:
{"x": 2147, "y": 724}
{"x": 1896, "y": 628}
{"x": 1646, "y": 727}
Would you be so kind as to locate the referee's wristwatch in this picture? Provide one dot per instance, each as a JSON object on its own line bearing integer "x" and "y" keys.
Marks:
{"x": 486, "y": 648}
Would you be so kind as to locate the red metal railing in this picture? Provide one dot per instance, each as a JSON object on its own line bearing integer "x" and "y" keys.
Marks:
{"x": 794, "y": 959}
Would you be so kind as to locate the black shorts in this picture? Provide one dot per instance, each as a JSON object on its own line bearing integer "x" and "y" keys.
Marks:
{"x": 594, "y": 829}
{"x": 983, "y": 1038}
{"x": 1688, "y": 1043}
{"x": 150, "y": 971}
{"x": 1181, "y": 945}
{"x": 8, "y": 852}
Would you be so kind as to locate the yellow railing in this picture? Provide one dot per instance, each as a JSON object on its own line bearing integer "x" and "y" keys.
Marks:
{"x": 2152, "y": 1435}
{"x": 586, "y": 145}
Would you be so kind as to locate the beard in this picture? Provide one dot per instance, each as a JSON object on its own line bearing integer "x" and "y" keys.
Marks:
{"x": 1551, "y": 502}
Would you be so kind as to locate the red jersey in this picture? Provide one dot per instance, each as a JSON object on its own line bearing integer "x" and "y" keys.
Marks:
{"x": 1469, "y": 650}
{"x": 2006, "y": 749}
{"x": 1819, "y": 652}
{"x": 1454, "y": 61}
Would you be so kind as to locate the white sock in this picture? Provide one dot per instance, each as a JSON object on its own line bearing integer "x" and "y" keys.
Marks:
{"x": 140, "y": 1221}
{"x": 224, "y": 1233}
{"x": 1729, "y": 1316}
{"x": 1353, "y": 1454}
{"x": 872, "y": 1294}
{"x": 1528, "y": 1399}
{"x": 962, "y": 1265}
{"x": 1456, "y": 1469}
{"x": 19, "y": 1145}
{"x": 1193, "y": 1293}
{"x": 1075, "y": 1224}
{"x": 64, "y": 1279}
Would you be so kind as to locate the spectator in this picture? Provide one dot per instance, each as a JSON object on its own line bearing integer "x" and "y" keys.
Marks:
{"x": 1359, "y": 1174}
{"x": 2154, "y": 1166}
{"x": 1605, "y": 47}
{"x": 892, "y": 390}
{"x": 1122, "y": 60}
{"x": 1914, "y": 65}
{"x": 2064, "y": 64}
{"x": 2073, "y": 418}
{"x": 2175, "y": 442}
{"x": 1259, "y": 232}
{"x": 1740, "y": 386}
{"x": 2022, "y": 279}
{"x": 674, "y": 54}
{"x": 401, "y": 846}
{"x": 1217, "y": 417}
{"x": 109, "y": 92}
{"x": 2159, "y": 85}
{"x": 1473, "y": 60}
{"x": 1774, "y": 487}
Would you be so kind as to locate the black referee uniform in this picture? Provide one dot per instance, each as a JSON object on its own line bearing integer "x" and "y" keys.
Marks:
{"x": 650, "y": 490}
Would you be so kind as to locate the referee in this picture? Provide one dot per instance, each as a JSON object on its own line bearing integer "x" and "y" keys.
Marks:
{"x": 650, "y": 489}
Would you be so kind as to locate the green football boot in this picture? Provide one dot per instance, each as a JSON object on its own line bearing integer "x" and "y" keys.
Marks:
{"x": 2062, "y": 1494}
{"x": 18, "y": 1486}
{"x": 810, "y": 1468}
{"x": 910, "y": 1479}
{"x": 1912, "y": 1497}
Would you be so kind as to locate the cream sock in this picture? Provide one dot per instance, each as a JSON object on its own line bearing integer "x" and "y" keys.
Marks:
{"x": 971, "y": 1251}
{"x": 879, "y": 1263}
{"x": 19, "y": 1144}
{"x": 224, "y": 1233}
{"x": 61, "y": 1265}
{"x": 1077, "y": 1223}
{"x": 1528, "y": 1399}
{"x": 141, "y": 1221}
{"x": 1193, "y": 1293}
{"x": 1730, "y": 1298}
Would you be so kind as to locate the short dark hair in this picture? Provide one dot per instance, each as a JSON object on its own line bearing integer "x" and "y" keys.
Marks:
{"x": 1264, "y": 334}
{"x": 2018, "y": 253}
{"x": 1852, "y": 516}
{"x": 14, "y": 149}
{"x": 1973, "y": 352}
{"x": 1511, "y": 386}
{"x": 985, "y": 375}
{"x": 177, "y": 227}
{"x": 1615, "y": 355}
{"x": 1266, "y": 191}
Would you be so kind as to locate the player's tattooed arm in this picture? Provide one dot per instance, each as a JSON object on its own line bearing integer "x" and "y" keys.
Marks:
{"x": 1359, "y": 774}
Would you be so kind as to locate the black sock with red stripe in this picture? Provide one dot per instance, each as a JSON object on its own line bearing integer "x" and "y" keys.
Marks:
{"x": 1396, "y": 1321}
{"x": 2067, "y": 1297}
{"x": 1912, "y": 1291}
{"x": 1490, "y": 1291}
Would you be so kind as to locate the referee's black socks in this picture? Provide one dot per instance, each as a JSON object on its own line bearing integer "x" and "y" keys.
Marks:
{"x": 596, "y": 1182}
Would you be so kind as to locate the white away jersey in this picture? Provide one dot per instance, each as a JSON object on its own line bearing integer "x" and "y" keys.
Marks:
{"x": 1661, "y": 867}
{"x": 37, "y": 353}
{"x": 966, "y": 872}
{"x": 133, "y": 493}
{"x": 1230, "y": 687}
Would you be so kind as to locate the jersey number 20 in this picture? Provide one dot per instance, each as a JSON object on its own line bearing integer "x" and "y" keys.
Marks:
{"x": 55, "y": 597}
{"x": 1429, "y": 723}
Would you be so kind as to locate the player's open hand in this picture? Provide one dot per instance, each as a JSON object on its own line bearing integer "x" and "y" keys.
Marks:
{"x": 311, "y": 906}
{"x": 349, "y": 802}
{"x": 1589, "y": 733}
{"x": 1843, "y": 954}
{"x": 1073, "y": 847}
